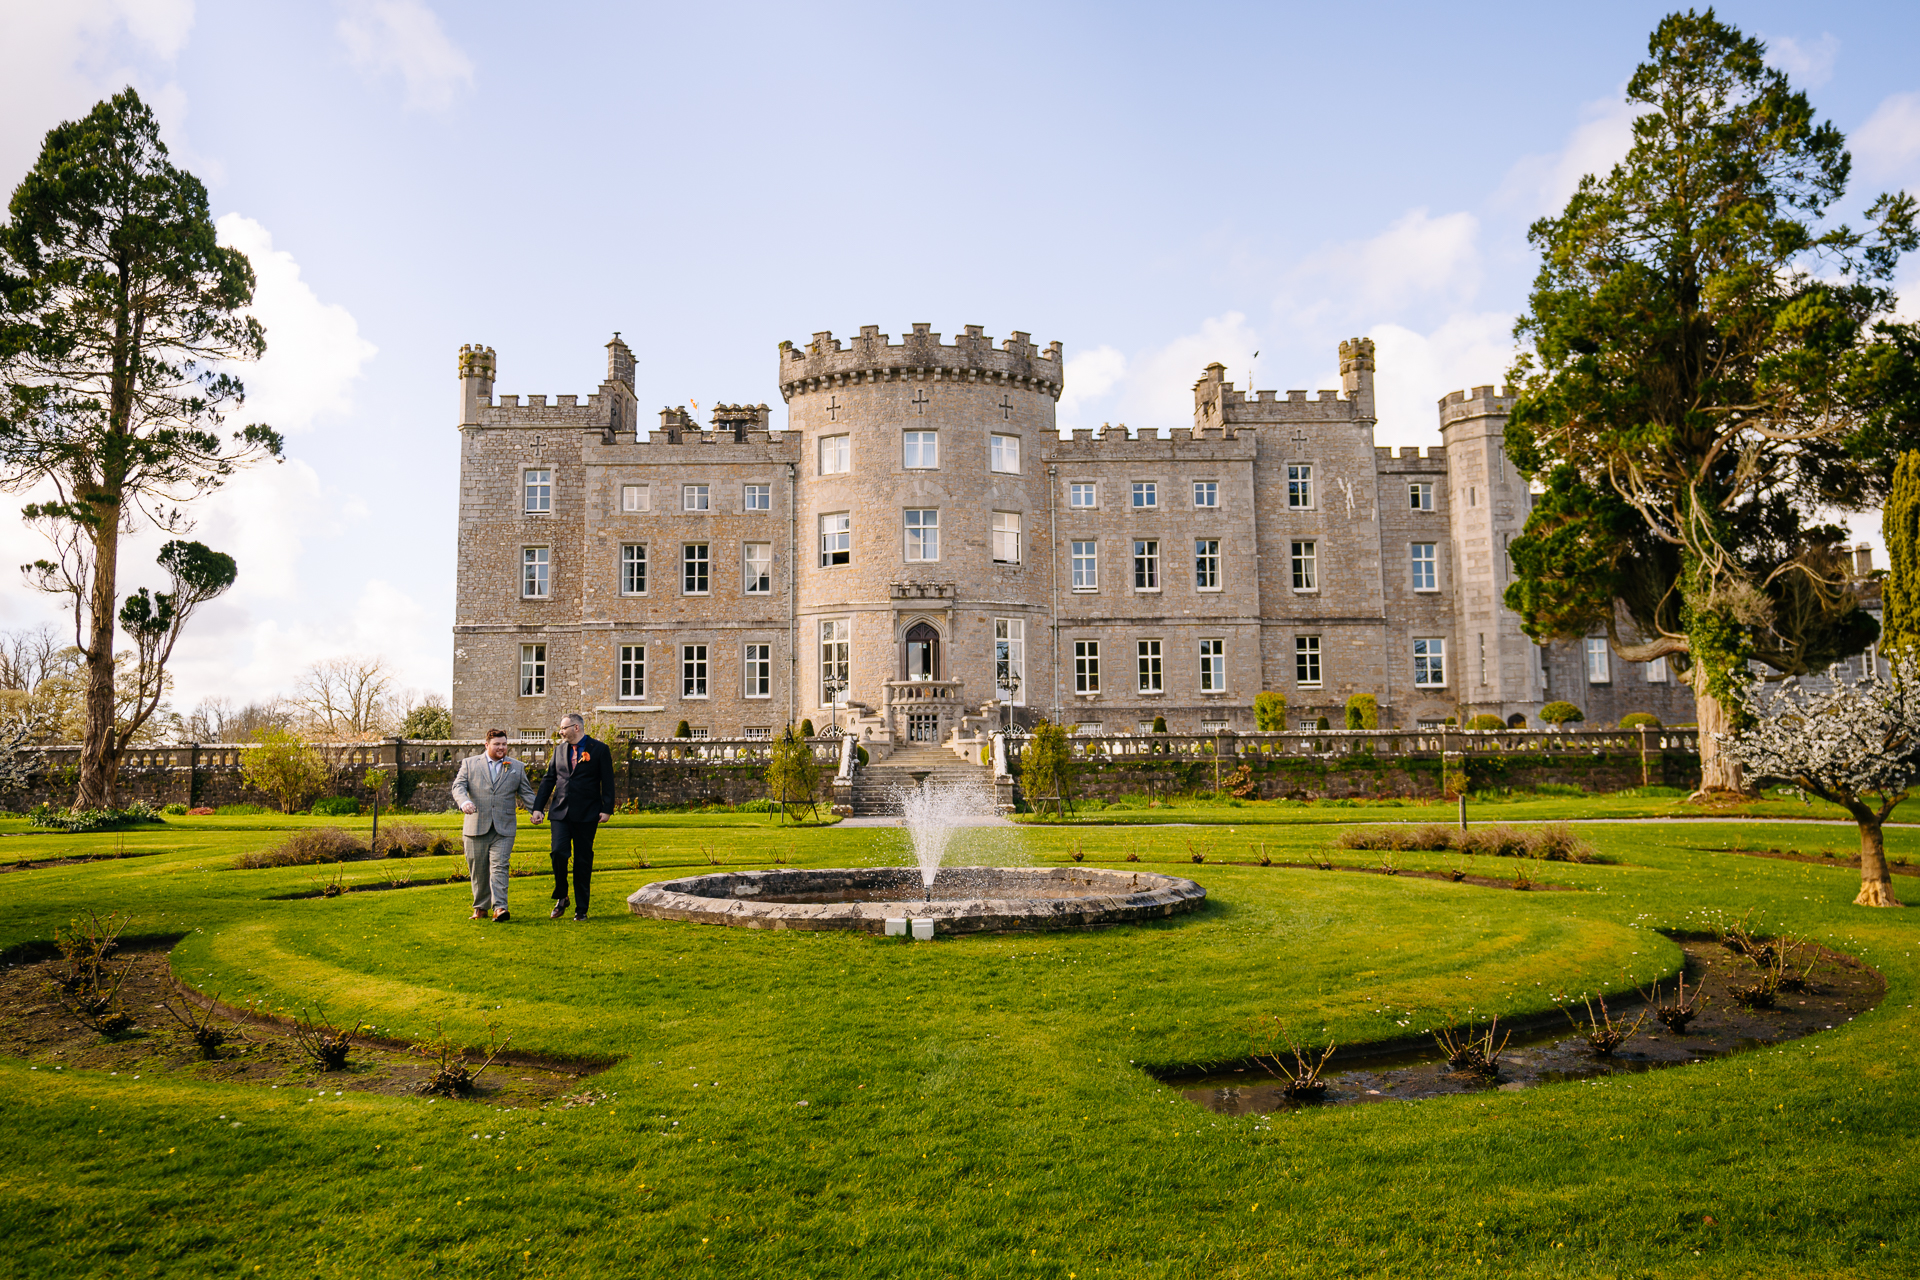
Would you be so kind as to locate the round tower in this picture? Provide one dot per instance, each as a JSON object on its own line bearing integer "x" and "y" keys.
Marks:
{"x": 925, "y": 571}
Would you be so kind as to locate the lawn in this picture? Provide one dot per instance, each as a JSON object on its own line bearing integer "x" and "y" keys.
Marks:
{"x": 798, "y": 1104}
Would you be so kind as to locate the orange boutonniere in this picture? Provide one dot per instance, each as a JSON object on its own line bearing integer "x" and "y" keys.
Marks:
{"x": 585, "y": 756}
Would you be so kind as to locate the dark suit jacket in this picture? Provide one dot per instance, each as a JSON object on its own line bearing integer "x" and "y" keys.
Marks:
{"x": 579, "y": 793}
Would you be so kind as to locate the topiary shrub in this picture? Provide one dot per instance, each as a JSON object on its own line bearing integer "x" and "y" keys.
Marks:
{"x": 1270, "y": 712}
{"x": 683, "y": 730}
{"x": 1636, "y": 719}
{"x": 1323, "y": 723}
{"x": 860, "y": 755}
{"x": 1559, "y": 713}
{"x": 1485, "y": 721}
{"x": 1363, "y": 711}
{"x": 1159, "y": 724}
{"x": 806, "y": 728}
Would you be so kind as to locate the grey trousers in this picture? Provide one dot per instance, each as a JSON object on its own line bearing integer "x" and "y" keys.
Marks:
{"x": 487, "y": 858}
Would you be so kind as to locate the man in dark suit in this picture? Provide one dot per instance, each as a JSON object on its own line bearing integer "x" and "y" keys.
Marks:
{"x": 579, "y": 785}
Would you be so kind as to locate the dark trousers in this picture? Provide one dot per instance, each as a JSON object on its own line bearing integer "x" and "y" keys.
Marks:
{"x": 575, "y": 838}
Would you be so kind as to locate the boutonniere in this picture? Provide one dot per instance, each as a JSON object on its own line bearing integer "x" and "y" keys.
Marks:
{"x": 585, "y": 756}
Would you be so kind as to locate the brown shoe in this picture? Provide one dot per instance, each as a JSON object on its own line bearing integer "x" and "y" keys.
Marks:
{"x": 559, "y": 909}
{"x": 478, "y": 914}
{"x": 502, "y": 915}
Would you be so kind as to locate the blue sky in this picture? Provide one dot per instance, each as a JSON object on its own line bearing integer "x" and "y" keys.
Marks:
{"x": 1155, "y": 186}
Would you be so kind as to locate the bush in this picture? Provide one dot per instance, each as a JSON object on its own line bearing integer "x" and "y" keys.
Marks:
{"x": 1559, "y": 713}
{"x": 1159, "y": 724}
{"x": 756, "y": 806}
{"x": 404, "y": 839}
{"x": 80, "y": 821}
{"x": 202, "y": 812}
{"x": 173, "y": 810}
{"x": 792, "y": 772}
{"x": 1635, "y": 719}
{"x": 1046, "y": 765}
{"x": 240, "y": 810}
{"x": 806, "y": 728}
{"x": 336, "y": 807}
{"x": 1363, "y": 711}
{"x": 1553, "y": 842}
{"x": 860, "y": 755}
{"x": 435, "y": 724}
{"x": 1270, "y": 712}
{"x": 284, "y": 767}
{"x": 1323, "y": 723}
{"x": 1484, "y": 721}
{"x": 304, "y": 848}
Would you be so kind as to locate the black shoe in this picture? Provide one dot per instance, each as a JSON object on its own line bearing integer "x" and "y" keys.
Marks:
{"x": 559, "y": 909}
{"x": 502, "y": 916}
{"x": 579, "y": 916}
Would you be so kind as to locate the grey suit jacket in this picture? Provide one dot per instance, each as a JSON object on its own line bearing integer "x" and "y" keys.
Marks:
{"x": 493, "y": 802}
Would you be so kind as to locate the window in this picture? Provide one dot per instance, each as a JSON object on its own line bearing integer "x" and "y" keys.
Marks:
{"x": 1482, "y": 638}
{"x": 1300, "y": 484}
{"x": 1146, "y": 493}
{"x": 1086, "y": 666}
{"x": 1213, "y": 666}
{"x": 758, "y": 733}
{"x": 836, "y": 539}
{"x": 1599, "y": 670}
{"x": 1206, "y": 564}
{"x": 1429, "y": 664}
{"x": 1658, "y": 672}
{"x": 1006, "y": 537}
{"x": 693, "y": 569}
{"x": 1146, "y": 564}
{"x": 1424, "y": 576}
{"x": 1086, "y": 729}
{"x": 633, "y": 671}
{"x": 697, "y": 731}
{"x": 1206, "y": 493}
{"x": 757, "y": 561}
{"x": 923, "y": 534}
{"x": 1420, "y": 495}
{"x": 1083, "y": 495}
{"x": 1005, "y": 451}
{"x": 1086, "y": 566}
{"x": 533, "y": 572}
{"x": 1145, "y": 726}
{"x": 1306, "y": 661}
{"x": 533, "y": 670}
{"x": 1010, "y": 659}
{"x": 836, "y": 455}
{"x": 922, "y": 449}
{"x": 693, "y": 497}
{"x": 758, "y": 666}
{"x": 836, "y": 660}
{"x": 693, "y": 671}
{"x": 538, "y": 483}
{"x": 1306, "y": 574}
{"x": 633, "y": 569}
{"x": 757, "y": 497}
{"x": 636, "y": 497}
{"x": 1149, "y": 654}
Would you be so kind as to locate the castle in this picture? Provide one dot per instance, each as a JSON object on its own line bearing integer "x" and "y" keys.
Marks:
{"x": 921, "y": 542}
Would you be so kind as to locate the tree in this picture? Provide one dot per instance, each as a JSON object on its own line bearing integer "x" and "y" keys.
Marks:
{"x": 119, "y": 314}
{"x": 1046, "y": 764}
{"x": 1559, "y": 713}
{"x": 284, "y": 767}
{"x": 430, "y": 720}
{"x": 1363, "y": 711}
{"x": 1854, "y": 745}
{"x": 1900, "y": 529}
{"x": 1486, "y": 720}
{"x": 1269, "y": 711}
{"x": 217, "y": 720}
{"x": 345, "y": 699}
{"x": 1712, "y": 366}
{"x": 792, "y": 772}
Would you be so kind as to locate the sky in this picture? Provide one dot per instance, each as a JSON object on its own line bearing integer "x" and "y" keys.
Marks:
{"x": 1155, "y": 186}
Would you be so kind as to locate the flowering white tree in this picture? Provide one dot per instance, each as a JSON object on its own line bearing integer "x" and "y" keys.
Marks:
{"x": 1855, "y": 745}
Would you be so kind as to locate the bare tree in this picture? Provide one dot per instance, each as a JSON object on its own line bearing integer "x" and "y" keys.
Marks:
{"x": 345, "y": 699}
{"x": 216, "y": 719}
{"x": 28, "y": 655}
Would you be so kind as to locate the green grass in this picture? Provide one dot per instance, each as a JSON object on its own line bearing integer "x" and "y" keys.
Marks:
{"x": 974, "y": 1107}
{"x": 1521, "y": 806}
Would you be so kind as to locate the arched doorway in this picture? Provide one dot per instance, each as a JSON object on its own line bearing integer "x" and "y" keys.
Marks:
{"x": 920, "y": 653}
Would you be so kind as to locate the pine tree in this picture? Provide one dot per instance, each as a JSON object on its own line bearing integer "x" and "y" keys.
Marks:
{"x": 1900, "y": 528}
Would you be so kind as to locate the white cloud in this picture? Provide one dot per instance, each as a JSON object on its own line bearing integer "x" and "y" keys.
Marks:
{"x": 1541, "y": 184}
{"x": 1417, "y": 258}
{"x": 1413, "y": 370}
{"x": 1888, "y": 144}
{"x": 405, "y": 36}
{"x": 1808, "y": 62}
{"x": 1088, "y": 376}
{"x": 1157, "y": 393}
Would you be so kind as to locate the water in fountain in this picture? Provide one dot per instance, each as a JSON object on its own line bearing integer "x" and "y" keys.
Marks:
{"x": 935, "y": 816}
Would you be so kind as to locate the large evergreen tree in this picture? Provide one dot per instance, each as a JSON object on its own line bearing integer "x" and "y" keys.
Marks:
{"x": 1710, "y": 367}
{"x": 118, "y": 314}
{"x": 1900, "y": 530}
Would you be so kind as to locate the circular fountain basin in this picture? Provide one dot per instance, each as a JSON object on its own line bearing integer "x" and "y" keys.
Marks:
{"x": 965, "y": 899}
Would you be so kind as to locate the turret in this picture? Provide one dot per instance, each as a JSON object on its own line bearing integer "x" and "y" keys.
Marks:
{"x": 476, "y": 382}
{"x": 1356, "y": 376}
{"x": 620, "y": 362}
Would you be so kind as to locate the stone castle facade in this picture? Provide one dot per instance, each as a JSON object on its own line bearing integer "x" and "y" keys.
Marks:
{"x": 920, "y": 548}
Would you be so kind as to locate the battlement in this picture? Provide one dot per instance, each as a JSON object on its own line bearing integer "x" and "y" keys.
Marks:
{"x": 972, "y": 357}
{"x": 1481, "y": 402}
{"x": 476, "y": 361}
{"x": 1410, "y": 459}
{"x": 732, "y": 424}
{"x": 1218, "y": 402}
{"x": 1085, "y": 444}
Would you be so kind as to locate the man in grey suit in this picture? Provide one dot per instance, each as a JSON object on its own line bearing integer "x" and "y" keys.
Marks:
{"x": 485, "y": 789}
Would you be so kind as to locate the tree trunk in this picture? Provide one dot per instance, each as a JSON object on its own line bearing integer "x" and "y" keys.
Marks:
{"x": 1876, "y": 881}
{"x": 99, "y": 756}
{"x": 1718, "y": 770}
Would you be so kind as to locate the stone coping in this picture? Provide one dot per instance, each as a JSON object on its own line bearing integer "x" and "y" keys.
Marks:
{"x": 993, "y": 899}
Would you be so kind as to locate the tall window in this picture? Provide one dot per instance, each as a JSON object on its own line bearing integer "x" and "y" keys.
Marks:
{"x": 1149, "y": 657}
{"x": 1206, "y": 564}
{"x": 1482, "y": 638}
{"x": 1086, "y": 666}
{"x": 1306, "y": 572}
{"x": 1146, "y": 493}
{"x": 1213, "y": 666}
{"x": 538, "y": 483}
{"x": 1146, "y": 564}
{"x": 757, "y": 567}
{"x": 836, "y": 455}
{"x": 633, "y": 569}
{"x": 1658, "y": 672}
{"x": 693, "y": 569}
{"x": 1005, "y": 453}
{"x": 836, "y": 660}
{"x": 923, "y": 533}
{"x": 1429, "y": 664}
{"x": 1006, "y": 537}
{"x": 633, "y": 671}
{"x": 1082, "y": 495}
{"x": 1010, "y": 659}
{"x": 1425, "y": 578}
{"x": 1300, "y": 484}
{"x": 533, "y": 572}
{"x": 533, "y": 670}
{"x": 693, "y": 671}
{"x": 1086, "y": 566}
{"x": 922, "y": 449}
{"x": 836, "y": 539}
{"x": 635, "y": 497}
{"x": 1599, "y": 668}
{"x": 1420, "y": 495}
{"x": 757, "y": 497}
{"x": 694, "y": 497}
{"x": 1206, "y": 493}
{"x": 1306, "y": 661}
{"x": 758, "y": 667}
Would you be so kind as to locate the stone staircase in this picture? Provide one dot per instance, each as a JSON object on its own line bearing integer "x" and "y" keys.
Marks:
{"x": 876, "y": 787}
